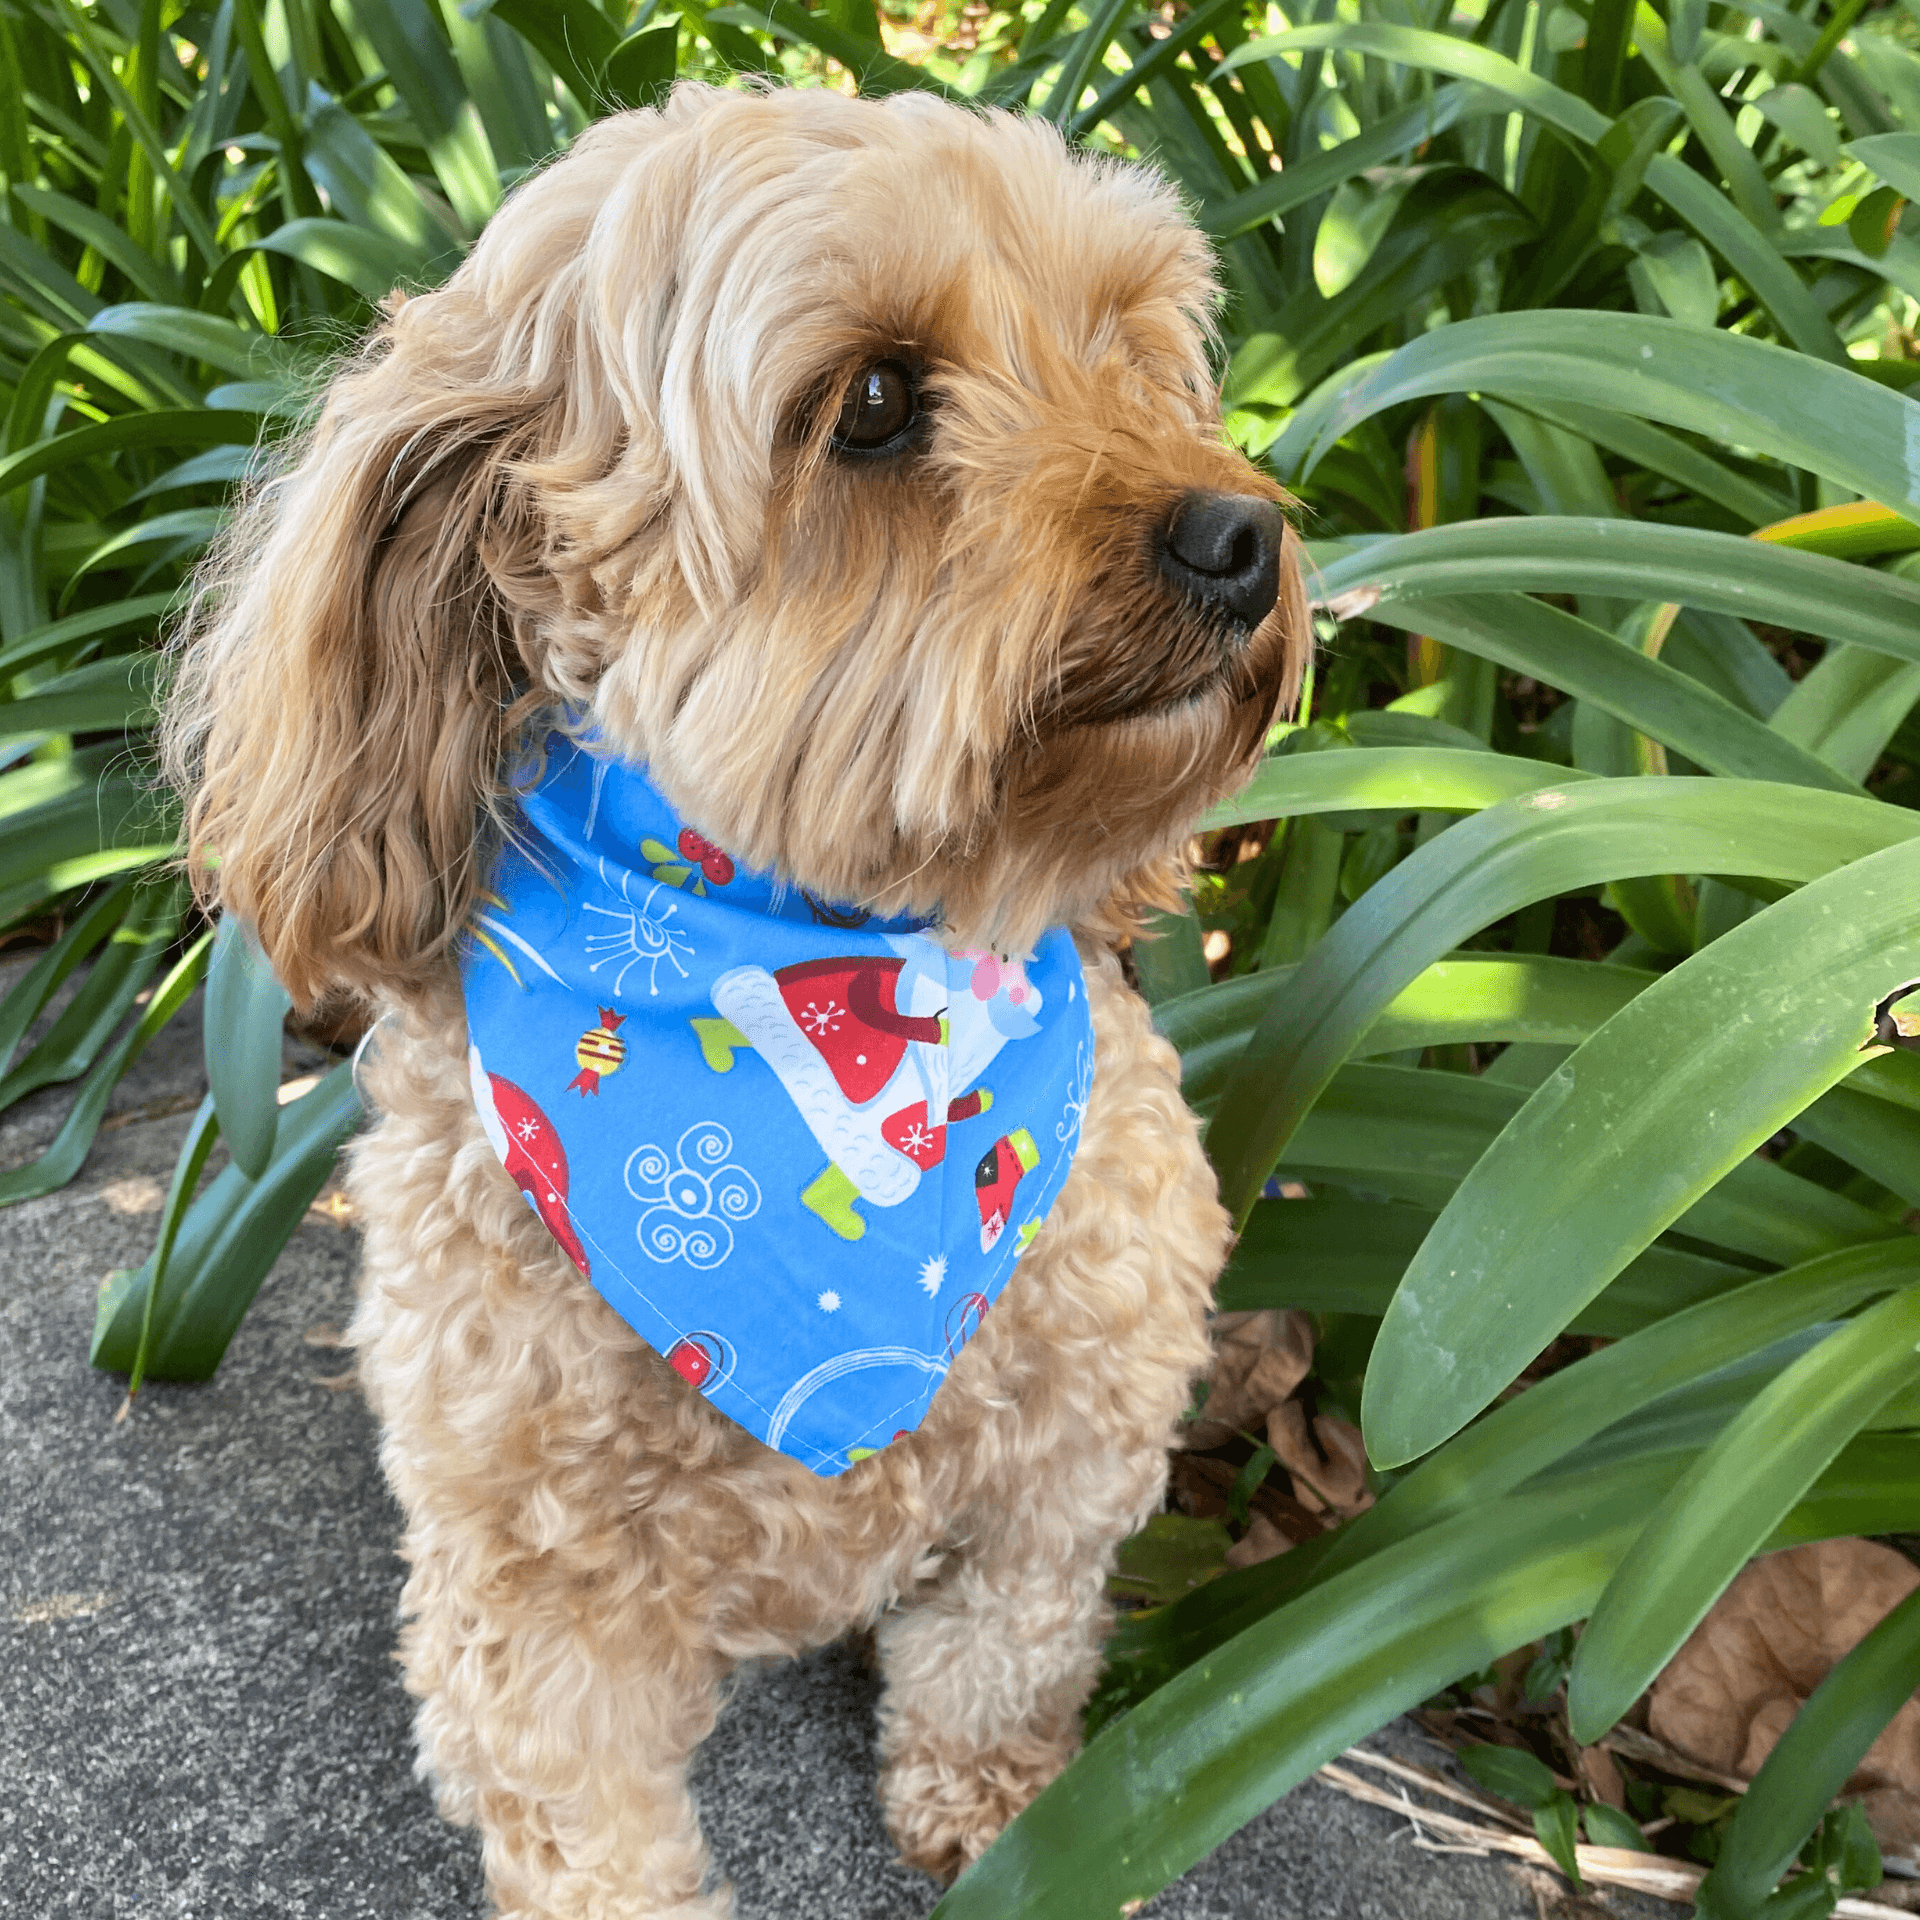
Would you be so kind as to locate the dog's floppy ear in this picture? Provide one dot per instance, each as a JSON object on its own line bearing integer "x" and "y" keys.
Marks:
{"x": 382, "y": 616}
{"x": 341, "y": 700}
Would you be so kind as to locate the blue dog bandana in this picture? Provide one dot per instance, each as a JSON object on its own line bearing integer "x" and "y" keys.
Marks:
{"x": 797, "y": 1149}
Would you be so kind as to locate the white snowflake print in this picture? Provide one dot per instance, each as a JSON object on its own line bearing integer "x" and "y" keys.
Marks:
{"x": 692, "y": 1196}
{"x": 918, "y": 1138}
{"x": 818, "y": 1019}
{"x": 829, "y": 1302}
{"x": 638, "y": 937}
{"x": 932, "y": 1272}
{"x": 1071, "y": 1121}
{"x": 528, "y": 1129}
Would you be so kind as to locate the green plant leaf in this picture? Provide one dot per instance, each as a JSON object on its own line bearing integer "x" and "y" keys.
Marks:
{"x": 1256, "y": 1715}
{"x": 246, "y": 1007}
{"x": 1526, "y": 636}
{"x": 1526, "y": 1435}
{"x": 1609, "y": 1827}
{"x": 1611, "y": 1150}
{"x": 1170, "y": 1556}
{"x": 111, "y": 989}
{"x": 1556, "y": 1827}
{"x": 1720, "y": 384}
{"x": 1723, "y": 1509}
{"x": 1400, "y": 779}
{"x": 1509, "y": 1773}
{"x": 104, "y": 696}
{"x": 1562, "y": 836}
{"x": 230, "y": 1238}
{"x": 191, "y": 1163}
{"x": 1809, "y": 1765}
{"x": 1168, "y": 958}
{"x": 62, "y": 1158}
{"x": 1632, "y": 560}
{"x": 1336, "y": 1254}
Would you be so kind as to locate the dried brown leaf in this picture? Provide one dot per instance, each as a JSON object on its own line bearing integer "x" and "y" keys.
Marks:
{"x": 1600, "y": 1776}
{"x": 1733, "y": 1688}
{"x": 1327, "y": 1460}
{"x": 1259, "y": 1358}
{"x": 1263, "y": 1541}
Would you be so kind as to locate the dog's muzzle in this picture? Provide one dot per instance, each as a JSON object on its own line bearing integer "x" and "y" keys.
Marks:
{"x": 1222, "y": 550}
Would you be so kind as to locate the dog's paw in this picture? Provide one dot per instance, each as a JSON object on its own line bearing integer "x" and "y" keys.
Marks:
{"x": 945, "y": 1808}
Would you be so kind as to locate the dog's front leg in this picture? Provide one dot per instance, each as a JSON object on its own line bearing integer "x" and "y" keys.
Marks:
{"x": 563, "y": 1736}
{"x": 555, "y": 1629}
{"x": 1064, "y": 1404}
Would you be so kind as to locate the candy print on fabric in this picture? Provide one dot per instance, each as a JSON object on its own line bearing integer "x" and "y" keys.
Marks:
{"x": 817, "y": 1141}
{"x": 694, "y": 1198}
{"x": 598, "y": 1052}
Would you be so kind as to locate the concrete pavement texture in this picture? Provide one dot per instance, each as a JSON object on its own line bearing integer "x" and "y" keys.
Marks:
{"x": 200, "y": 1718}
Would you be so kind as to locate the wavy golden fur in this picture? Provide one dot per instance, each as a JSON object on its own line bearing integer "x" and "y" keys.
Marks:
{"x": 599, "y": 468}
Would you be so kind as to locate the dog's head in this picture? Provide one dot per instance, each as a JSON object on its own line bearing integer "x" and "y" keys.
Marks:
{"x": 857, "y": 465}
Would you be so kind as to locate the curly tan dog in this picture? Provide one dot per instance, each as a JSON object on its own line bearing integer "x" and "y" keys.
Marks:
{"x": 857, "y": 468}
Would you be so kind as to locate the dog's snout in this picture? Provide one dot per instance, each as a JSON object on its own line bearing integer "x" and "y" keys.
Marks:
{"x": 1223, "y": 549}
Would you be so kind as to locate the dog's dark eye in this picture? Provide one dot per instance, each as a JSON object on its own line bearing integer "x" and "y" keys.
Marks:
{"x": 878, "y": 410}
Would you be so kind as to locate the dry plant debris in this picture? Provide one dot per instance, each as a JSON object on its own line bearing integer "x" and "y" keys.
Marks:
{"x": 1267, "y": 1464}
{"x": 1490, "y": 1830}
{"x": 1731, "y": 1691}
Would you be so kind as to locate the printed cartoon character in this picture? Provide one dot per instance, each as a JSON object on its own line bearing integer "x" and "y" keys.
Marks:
{"x": 598, "y": 1053}
{"x": 528, "y": 1146}
{"x": 878, "y": 1055}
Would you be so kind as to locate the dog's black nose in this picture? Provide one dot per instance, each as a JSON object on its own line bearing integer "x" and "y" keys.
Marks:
{"x": 1224, "y": 550}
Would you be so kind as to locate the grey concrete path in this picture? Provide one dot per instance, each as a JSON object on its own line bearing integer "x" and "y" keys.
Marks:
{"x": 200, "y": 1718}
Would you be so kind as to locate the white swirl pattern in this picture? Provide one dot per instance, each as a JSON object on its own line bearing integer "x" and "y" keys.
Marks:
{"x": 692, "y": 1196}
